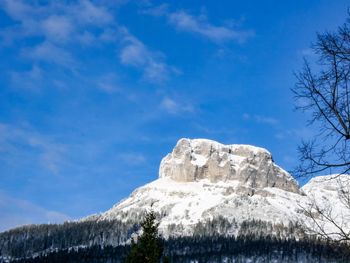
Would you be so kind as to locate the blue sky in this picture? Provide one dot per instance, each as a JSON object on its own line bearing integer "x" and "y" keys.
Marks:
{"x": 94, "y": 93}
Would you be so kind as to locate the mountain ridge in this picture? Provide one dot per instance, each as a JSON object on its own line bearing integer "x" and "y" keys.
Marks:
{"x": 202, "y": 179}
{"x": 204, "y": 189}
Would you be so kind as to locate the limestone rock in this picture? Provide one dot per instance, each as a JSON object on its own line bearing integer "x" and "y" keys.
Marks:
{"x": 253, "y": 167}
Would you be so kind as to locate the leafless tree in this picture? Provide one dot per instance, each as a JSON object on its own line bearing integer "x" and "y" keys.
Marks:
{"x": 323, "y": 91}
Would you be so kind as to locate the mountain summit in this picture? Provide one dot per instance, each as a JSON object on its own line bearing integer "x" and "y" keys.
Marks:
{"x": 252, "y": 167}
{"x": 202, "y": 180}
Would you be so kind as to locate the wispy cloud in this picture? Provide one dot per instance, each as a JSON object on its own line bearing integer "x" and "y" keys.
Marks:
{"x": 57, "y": 21}
{"x": 17, "y": 212}
{"x": 136, "y": 54}
{"x": 307, "y": 52}
{"x": 174, "y": 107}
{"x": 57, "y": 28}
{"x": 64, "y": 28}
{"x": 159, "y": 10}
{"x": 184, "y": 21}
{"x": 51, "y": 53}
{"x": 260, "y": 119}
{"x": 29, "y": 79}
{"x": 109, "y": 83}
{"x": 132, "y": 158}
{"x": 58, "y": 24}
{"x": 48, "y": 153}
{"x": 89, "y": 13}
{"x": 200, "y": 25}
{"x": 19, "y": 10}
{"x": 302, "y": 133}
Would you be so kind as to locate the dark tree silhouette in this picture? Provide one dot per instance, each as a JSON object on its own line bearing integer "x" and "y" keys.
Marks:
{"x": 148, "y": 246}
{"x": 325, "y": 93}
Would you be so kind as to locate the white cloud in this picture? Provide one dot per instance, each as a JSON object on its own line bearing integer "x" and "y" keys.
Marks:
{"x": 109, "y": 83}
{"x": 109, "y": 35}
{"x": 305, "y": 133}
{"x": 42, "y": 149}
{"x": 62, "y": 25}
{"x": 87, "y": 38}
{"x": 265, "y": 120}
{"x": 58, "y": 28}
{"x": 136, "y": 54}
{"x": 17, "y": 212}
{"x": 30, "y": 79}
{"x": 132, "y": 158}
{"x": 88, "y": 13}
{"x": 29, "y": 19}
{"x": 170, "y": 105}
{"x": 51, "y": 53}
{"x": 59, "y": 24}
{"x": 307, "y": 52}
{"x": 18, "y": 9}
{"x": 183, "y": 21}
{"x": 157, "y": 71}
{"x": 160, "y": 10}
{"x": 85, "y": 23}
{"x": 175, "y": 107}
{"x": 260, "y": 119}
{"x": 55, "y": 15}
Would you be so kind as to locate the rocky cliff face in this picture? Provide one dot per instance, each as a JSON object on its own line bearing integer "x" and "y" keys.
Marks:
{"x": 252, "y": 167}
{"x": 201, "y": 180}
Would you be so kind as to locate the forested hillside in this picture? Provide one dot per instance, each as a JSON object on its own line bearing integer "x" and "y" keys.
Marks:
{"x": 212, "y": 249}
{"x": 88, "y": 240}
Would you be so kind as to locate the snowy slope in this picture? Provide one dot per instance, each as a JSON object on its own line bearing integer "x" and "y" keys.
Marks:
{"x": 191, "y": 202}
{"x": 204, "y": 188}
{"x": 201, "y": 180}
{"x": 331, "y": 194}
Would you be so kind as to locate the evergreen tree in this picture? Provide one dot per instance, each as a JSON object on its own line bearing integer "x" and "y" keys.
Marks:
{"x": 148, "y": 248}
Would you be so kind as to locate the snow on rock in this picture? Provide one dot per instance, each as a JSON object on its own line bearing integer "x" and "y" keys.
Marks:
{"x": 331, "y": 194}
{"x": 253, "y": 167}
{"x": 191, "y": 202}
{"x": 203, "y": 179}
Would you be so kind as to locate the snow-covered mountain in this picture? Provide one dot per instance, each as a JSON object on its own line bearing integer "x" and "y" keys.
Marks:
{"x": 205, "y": 190}
{"x": 201, "y": 180}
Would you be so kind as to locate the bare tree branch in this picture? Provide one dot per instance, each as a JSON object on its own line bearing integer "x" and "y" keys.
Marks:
{"x": 323, "y": 90}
